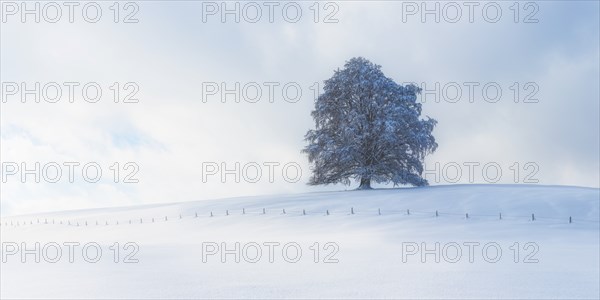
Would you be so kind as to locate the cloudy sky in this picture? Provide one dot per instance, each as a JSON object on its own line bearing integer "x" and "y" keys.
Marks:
{"x": 515, "y": 90}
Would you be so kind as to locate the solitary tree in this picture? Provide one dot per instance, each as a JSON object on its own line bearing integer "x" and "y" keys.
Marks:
{"x": 368, "y": 128}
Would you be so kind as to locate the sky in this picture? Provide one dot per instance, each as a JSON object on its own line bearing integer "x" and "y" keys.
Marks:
{"x": 514, "y": 88}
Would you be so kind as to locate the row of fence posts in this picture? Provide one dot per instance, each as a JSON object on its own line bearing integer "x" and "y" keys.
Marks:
{"x": 264, "y": 212}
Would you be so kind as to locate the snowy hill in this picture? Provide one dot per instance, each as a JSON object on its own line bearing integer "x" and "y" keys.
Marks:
{"x": 490, "y": 241}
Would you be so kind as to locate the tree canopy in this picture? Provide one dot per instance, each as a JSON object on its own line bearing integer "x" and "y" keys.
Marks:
{"x": 368, "y": 128}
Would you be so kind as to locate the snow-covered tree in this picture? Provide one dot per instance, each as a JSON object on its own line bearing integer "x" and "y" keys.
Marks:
{"x": 368, "y": 128}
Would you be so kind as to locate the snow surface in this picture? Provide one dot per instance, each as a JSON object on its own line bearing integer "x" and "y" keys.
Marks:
{"x": 370, "y": 255}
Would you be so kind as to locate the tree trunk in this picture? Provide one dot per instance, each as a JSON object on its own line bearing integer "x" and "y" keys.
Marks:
{"x": 365, "y": 184}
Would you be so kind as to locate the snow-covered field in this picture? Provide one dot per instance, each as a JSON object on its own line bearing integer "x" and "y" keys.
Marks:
{"x": 360, "y": 255}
